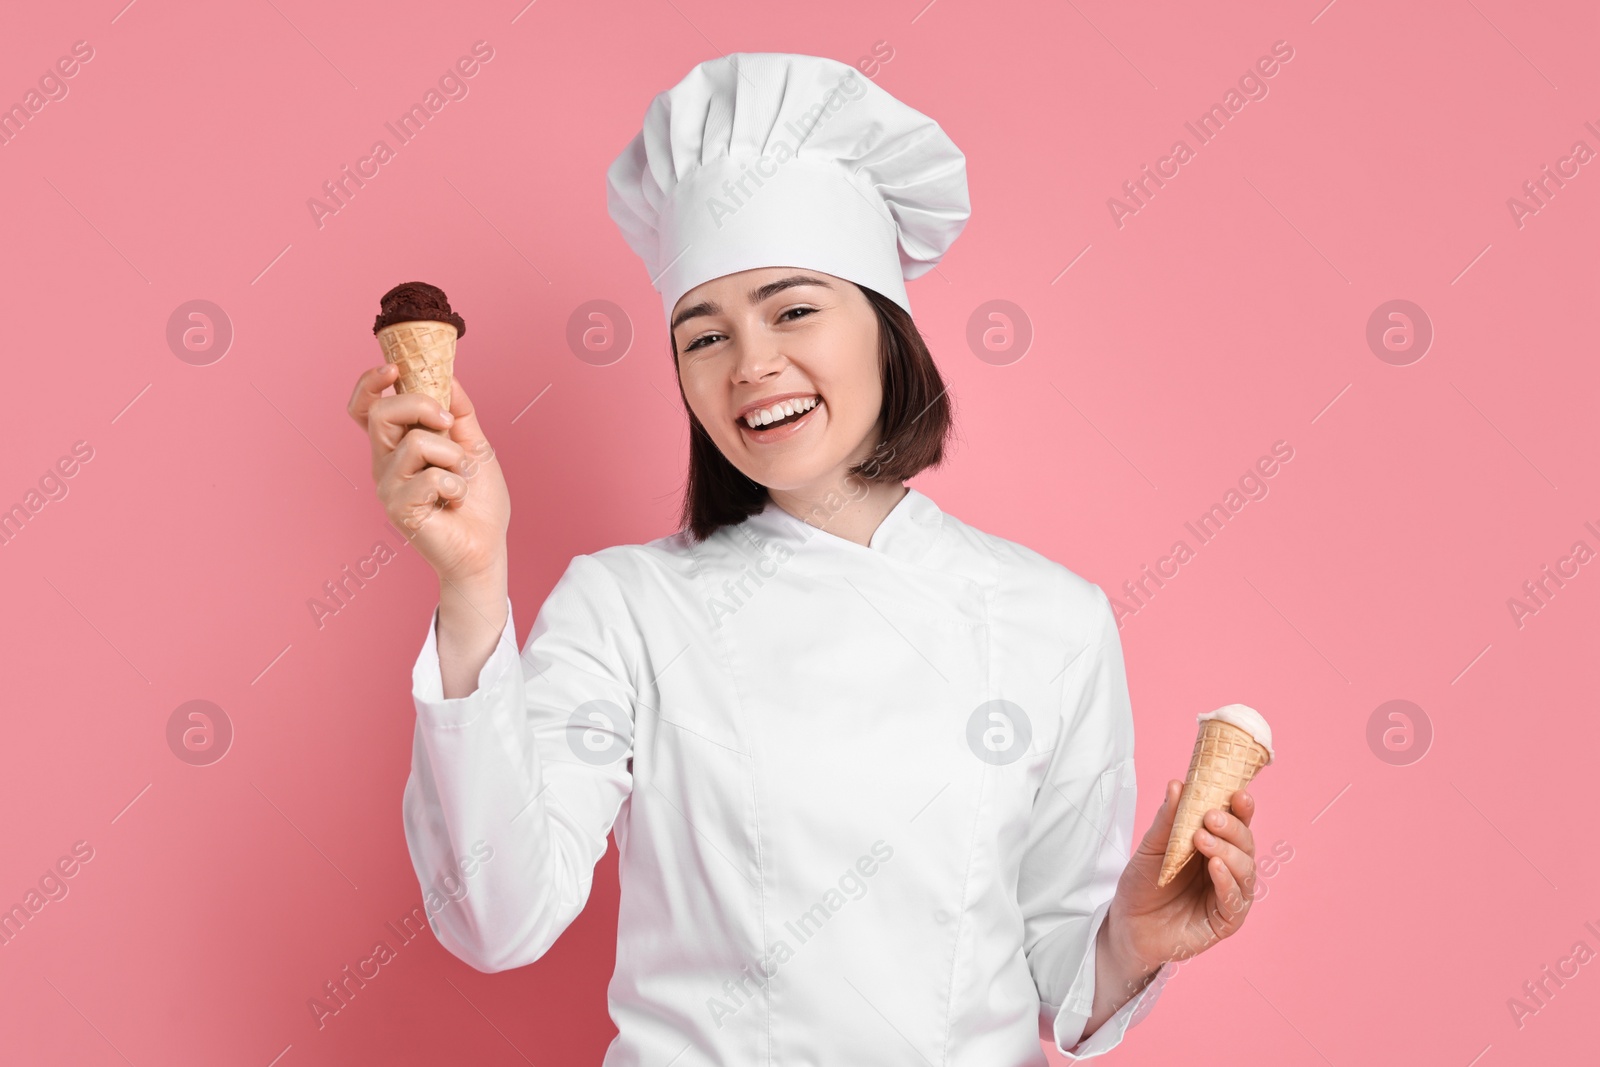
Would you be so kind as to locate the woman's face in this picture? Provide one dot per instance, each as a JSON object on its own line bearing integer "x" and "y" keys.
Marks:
{"x": 748, "y": 341}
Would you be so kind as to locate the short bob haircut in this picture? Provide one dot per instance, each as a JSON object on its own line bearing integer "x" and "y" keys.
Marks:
{"x": 913, "y": 425}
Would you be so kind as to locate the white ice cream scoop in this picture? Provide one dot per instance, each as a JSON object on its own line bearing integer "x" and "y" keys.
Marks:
{"x": 1245, "y": 718}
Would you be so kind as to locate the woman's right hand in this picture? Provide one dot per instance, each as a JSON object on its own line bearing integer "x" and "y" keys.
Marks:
{"x": 445, "y": 493}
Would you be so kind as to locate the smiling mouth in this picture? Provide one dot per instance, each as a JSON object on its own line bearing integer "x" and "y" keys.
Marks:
{"x": 777, "y": 425}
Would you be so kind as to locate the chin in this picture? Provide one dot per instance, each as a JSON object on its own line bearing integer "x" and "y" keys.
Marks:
{"x": 782, "y": 476}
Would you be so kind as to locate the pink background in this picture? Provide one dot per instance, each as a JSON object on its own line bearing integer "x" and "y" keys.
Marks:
{"x": 1229, "y": 313}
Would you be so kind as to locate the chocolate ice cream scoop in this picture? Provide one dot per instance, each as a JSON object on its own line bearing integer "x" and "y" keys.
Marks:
{"x": 417, "y": 302}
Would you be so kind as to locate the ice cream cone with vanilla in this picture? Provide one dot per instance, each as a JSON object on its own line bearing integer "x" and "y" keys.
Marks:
{"x": 1233, "y": 743}
{"x": 418, "y": 331}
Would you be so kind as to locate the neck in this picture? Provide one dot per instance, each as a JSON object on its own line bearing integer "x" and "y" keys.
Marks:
{"x": 854, "y": 517}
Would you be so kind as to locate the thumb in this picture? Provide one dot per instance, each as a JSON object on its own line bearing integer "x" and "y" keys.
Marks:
{"x": 1160, "y": 832}
{"x": 465, "y": 430}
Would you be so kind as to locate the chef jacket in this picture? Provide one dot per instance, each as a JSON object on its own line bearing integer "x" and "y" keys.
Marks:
{"x": 871, "y": 802}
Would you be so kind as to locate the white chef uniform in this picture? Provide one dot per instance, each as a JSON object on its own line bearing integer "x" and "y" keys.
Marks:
{"x": 871, "y": 803}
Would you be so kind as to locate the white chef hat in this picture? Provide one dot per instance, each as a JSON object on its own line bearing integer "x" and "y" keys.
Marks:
{"x": 770, "y": 159}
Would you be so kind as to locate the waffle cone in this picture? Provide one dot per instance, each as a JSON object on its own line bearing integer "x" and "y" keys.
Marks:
{"x": 425, "y": 351}
{"x": 1225, "y": 759}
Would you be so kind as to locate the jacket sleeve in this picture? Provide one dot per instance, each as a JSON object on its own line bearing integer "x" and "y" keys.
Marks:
{"x": 1078, "y": 845}
{"x": 525, "y": 775}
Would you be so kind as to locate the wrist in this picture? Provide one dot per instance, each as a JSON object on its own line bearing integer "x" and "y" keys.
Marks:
{"x": 489, "y": 579}
{"x": 473, "y": 610}
{"x": 1123, "y": 957}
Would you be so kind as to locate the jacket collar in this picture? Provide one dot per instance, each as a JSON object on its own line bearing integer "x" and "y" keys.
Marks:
{"x": 906, "y": 533}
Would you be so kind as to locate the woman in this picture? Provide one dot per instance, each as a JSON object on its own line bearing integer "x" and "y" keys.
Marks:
{"x": 870, "y": 769}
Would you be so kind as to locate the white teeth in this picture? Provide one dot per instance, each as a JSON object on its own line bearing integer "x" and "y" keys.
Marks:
{"x": 782, "y": 409}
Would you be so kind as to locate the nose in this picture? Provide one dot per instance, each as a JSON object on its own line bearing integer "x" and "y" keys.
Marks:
{"x": 757, "y": 357}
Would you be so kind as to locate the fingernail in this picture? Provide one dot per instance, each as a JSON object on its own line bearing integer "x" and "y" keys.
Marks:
{"x": 449, "y": 418}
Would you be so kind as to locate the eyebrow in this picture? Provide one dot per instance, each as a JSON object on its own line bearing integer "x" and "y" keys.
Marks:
{"x": 755, "y": 296}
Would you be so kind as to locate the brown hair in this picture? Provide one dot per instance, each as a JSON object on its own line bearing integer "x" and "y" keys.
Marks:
{"x": 913, "y": 425}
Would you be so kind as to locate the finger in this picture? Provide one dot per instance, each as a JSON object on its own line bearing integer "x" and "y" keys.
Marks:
{"x": 422, "y": 497}
{"x": 1230, "y": 828}
{"x": 1240, "y": 864}
{"x": 369, "y": 387}
{"x": 418, "y": 450}
{"x": 1244, "y": 805}
{"x": 390, "y": 417}
{"x": 1231, "y": 903}
{"x": 1154, "y": 842}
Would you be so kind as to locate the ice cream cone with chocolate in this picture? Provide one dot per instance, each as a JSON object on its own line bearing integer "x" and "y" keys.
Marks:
{"x": 1234, "y": 743}
{"x": 418, "y": 331}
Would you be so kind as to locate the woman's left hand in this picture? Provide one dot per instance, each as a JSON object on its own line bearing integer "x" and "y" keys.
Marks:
{"x": 1207, "y": 900}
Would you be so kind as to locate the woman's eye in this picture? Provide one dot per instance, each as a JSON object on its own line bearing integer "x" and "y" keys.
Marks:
{"x": 700, "y": 342}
